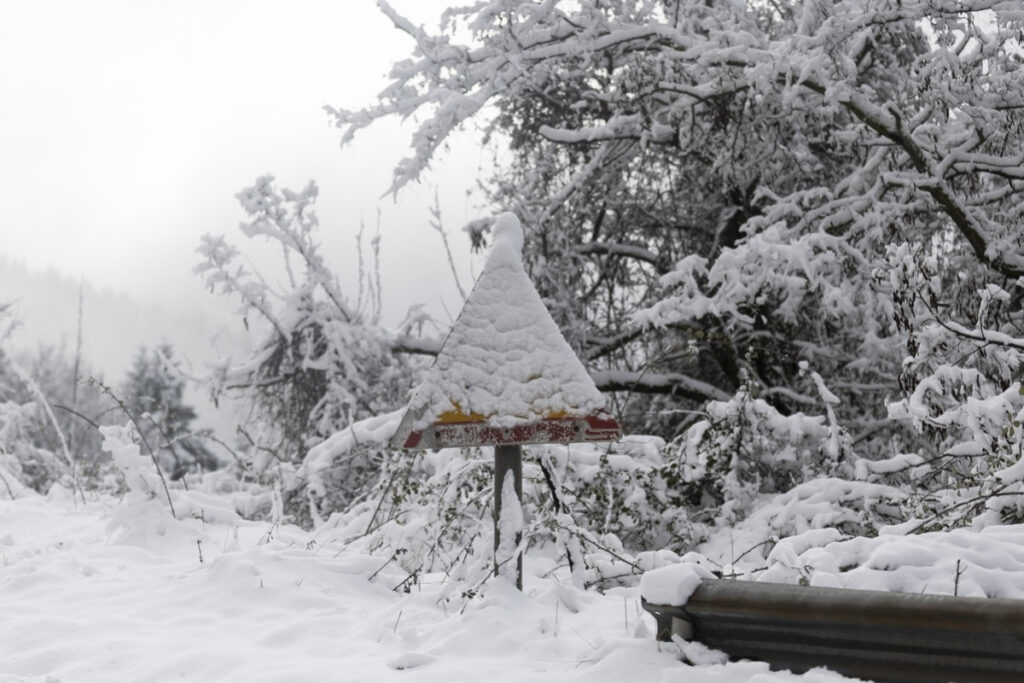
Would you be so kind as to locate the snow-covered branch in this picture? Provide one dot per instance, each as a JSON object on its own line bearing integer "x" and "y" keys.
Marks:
{"x": 624, "y": 250}
{"x": 657, "y": 383}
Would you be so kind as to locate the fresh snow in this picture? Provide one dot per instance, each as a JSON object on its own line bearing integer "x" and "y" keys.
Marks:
{"x": 151, "y": 598}
{"x": 672, "y": 585}
{"x": 505, "y": 361}
{"x": 982, "y": 564}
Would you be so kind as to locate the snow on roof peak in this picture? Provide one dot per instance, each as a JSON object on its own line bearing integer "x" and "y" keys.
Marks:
{"x": 505, "y": 362}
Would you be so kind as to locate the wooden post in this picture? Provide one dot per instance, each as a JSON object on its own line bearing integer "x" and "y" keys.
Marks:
{"x": 507, "y": 458}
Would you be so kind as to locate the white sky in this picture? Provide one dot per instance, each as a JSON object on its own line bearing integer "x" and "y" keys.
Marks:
{"x": 127, "y": 126}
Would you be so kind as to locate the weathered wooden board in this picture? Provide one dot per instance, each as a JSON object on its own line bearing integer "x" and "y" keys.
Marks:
{"x": 565, "y": 430}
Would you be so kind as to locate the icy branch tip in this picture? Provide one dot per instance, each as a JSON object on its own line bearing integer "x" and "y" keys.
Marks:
{"x": 508, "y": 237}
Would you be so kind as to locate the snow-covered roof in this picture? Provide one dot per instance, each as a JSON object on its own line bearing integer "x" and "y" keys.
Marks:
{"x": 505, "y": 362}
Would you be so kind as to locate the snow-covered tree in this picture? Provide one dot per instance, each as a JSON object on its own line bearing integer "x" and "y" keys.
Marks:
{"x": 814, "y": 206}
{"x": 154, "y": 393}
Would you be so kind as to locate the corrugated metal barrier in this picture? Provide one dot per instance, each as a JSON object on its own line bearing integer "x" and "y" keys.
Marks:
{"x": 879, "y": 636}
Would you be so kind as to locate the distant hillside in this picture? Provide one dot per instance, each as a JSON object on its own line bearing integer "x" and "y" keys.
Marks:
{"x": 114, "y": 325}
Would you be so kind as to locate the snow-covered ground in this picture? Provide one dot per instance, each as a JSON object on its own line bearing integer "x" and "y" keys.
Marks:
{"x": 114, "y": 590}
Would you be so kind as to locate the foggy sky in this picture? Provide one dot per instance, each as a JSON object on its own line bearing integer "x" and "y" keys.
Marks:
{"x": 126, "y": 127}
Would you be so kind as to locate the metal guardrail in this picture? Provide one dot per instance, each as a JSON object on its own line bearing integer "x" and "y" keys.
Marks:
{"x": 885, "y": 637}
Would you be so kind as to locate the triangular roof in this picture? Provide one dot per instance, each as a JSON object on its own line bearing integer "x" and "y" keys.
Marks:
{"x": 505, "y": 363}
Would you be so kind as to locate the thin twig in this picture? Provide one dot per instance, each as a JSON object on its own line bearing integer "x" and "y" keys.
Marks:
{"x": 435, "y": 223}
{"x": 7, "y": 485}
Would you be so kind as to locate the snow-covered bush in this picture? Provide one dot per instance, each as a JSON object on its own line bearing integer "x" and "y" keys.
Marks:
{"x": 324, "y": 361}
{"x": 963, "y": 382}
{"x": 745, "y": 448}
{"x": 42, "y": 442}
{"x": 432, "y": 511}
{"x": 141, "y": 474}
{"x": 150, "y": 502}
{"x": 23, "y": 464}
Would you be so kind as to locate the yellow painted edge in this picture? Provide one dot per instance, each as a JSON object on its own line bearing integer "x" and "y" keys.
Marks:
{"x": 457, "y": 415}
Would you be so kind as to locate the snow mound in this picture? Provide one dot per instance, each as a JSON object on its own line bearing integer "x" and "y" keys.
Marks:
{"x": 672, "y": 585}
{"x": 505, "y": 362}
{"x": 971, "y": 563}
